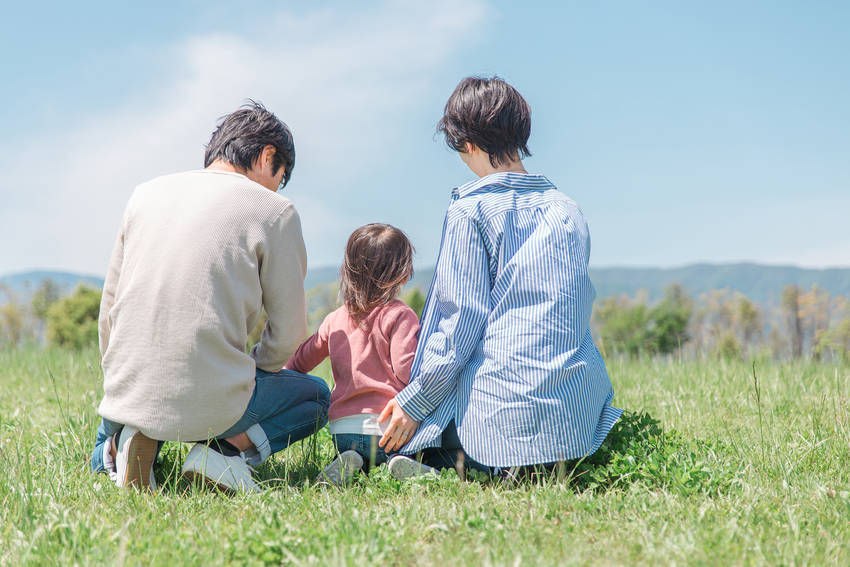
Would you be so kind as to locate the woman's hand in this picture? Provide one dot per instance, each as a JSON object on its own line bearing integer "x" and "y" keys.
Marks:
{"x": 401, "y": 427}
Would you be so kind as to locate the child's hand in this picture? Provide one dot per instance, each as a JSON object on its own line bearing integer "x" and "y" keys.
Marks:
{"x": 401, "y": 427}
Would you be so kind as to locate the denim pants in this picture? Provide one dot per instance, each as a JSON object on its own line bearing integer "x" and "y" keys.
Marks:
{"x": 286, "y": 406}
{"x": 364, "y": 445}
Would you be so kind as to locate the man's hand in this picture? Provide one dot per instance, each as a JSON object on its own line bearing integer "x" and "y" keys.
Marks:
{"x": 401, "y": 427}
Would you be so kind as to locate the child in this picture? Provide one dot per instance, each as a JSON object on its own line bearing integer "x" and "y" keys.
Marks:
{"x": 506, "y": 370}
{"x": 370, "y": 340}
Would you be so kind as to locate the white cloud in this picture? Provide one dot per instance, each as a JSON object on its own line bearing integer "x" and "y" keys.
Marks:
{"x": 337, "y": 77}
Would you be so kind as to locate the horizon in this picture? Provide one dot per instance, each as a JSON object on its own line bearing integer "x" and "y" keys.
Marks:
{"x": 417, "y": 268}
{"x": 685, "y": 137}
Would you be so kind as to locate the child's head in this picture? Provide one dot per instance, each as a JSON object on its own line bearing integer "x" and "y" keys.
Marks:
{"x": 490, "y": 114}
{"x": 378, "y": 261}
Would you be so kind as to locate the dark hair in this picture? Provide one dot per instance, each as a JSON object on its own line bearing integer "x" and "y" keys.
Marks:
{"x": 489, "y": 113}
{"x": 378, "y": 261}
{"x": 241, "y": 136}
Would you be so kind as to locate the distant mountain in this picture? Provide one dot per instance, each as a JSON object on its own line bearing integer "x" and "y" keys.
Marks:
{"x": 25, "y": 283}
{"x": 760, "y": 283}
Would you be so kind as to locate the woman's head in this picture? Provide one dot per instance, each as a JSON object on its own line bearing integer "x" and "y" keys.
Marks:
{"x": 378, "y": 261}
{"x": 489, "y": 114}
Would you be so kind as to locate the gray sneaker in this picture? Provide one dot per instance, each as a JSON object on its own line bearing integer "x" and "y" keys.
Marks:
{"x": 402, "y": 468}
{"x": 228, "y": 472}
{"x": 134, "y": 457}
{"x": 342, "y": 468}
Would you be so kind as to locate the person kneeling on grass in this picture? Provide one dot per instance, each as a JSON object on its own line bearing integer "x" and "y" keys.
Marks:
{"x": 198, "y": 257}
{"x": 370, "y": 340}
{"x": 506, "y": 370}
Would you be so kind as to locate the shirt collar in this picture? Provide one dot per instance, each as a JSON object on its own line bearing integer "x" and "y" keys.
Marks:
{"x": 517, "y": 181}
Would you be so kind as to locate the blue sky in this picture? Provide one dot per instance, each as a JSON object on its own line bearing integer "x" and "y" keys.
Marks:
{"x": 687, "y": 132}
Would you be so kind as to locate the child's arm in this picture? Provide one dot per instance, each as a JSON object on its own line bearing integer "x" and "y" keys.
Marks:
{"x": 402, "y": 335}
{"x": 312, "y": 351}
{"x": 453, "y": 320}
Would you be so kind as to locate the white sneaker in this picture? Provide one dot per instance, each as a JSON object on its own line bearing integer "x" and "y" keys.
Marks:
{"x": 342, "y": 468}
{"x": 402, "y": 468}
{"x": 134, "y": 458}
{"x": 227, "y": 472}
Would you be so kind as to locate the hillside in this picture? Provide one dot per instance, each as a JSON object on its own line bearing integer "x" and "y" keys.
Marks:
{"x": 25, "y": 283}
{"x": 760, "y": 283}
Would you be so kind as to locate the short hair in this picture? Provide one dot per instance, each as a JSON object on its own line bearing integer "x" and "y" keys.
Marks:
{"x": 378, "y": 261}
{"x": 241, "y": 136}
{"x": 489, "y": 113}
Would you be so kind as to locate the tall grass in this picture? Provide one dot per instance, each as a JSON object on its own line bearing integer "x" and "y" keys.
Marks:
{"x": 709, "y": 467}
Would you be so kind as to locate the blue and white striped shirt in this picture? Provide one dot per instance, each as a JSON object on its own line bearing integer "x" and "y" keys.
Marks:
{"x": 505, "y": 347}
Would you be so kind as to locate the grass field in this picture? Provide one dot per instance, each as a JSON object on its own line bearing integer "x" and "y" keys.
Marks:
{"x": 710, "y": 467}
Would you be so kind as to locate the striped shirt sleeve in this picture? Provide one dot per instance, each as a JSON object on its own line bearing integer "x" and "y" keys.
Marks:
{"x": 460, "y": 303}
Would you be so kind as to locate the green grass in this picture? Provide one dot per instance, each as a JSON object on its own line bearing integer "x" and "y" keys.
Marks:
{"x": 706, "y": 468}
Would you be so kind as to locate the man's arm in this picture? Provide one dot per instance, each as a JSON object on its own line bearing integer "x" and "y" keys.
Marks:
{"x": 282, "y": 269}
{"x": 110, "y": 285}
{"x": 460, "y": 302}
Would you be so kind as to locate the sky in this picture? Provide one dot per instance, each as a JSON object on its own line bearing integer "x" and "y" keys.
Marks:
{"x": 687, "y": 132}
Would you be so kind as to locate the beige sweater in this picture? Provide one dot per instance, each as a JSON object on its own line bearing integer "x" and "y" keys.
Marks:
{"x": 198, "y": 256}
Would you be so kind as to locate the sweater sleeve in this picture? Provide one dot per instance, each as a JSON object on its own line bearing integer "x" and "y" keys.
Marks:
{"x": 312, "y": 351}
{"x": 110, "y": 285}
{"x": 403, "y": 336}
{"x": 283, "y": 265}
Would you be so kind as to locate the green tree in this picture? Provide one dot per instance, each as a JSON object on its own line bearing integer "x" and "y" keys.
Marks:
{"x": 44, "y": 296}
{"x": 728, "y": 346}
{"x": 622, "y": 326}
{"x": 793, "y": 320}
{"x": 669, "y": 320}
{"x": 748, "y": 320}
{"x": 415, "y": 300}
{"x": 321, "y": 300}
{"x": 72, "y": 320}
{"x": 13, "y": 319}
{"x": 836, "y": 339}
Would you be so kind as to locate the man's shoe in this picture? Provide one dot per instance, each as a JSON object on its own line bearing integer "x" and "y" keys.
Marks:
{"x": 402, "y": 468}
{"x": 221, "y": 465}
{"x": 342, "y": 468}
{"x": 135, "y": 454}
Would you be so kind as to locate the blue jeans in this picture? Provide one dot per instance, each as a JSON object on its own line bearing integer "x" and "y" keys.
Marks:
{"x": 286, "y": 406}
{"x": 364, "y": 445}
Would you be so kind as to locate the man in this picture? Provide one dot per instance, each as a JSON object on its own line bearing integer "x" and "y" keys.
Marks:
{"x": 198, "y": 257}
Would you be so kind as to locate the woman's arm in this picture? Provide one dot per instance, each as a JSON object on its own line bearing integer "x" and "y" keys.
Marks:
{"x": 454, "y": 318}
{"x": 452, "y": 326}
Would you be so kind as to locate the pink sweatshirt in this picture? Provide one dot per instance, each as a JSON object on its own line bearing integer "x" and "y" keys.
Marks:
{"x": 370, "y": 362}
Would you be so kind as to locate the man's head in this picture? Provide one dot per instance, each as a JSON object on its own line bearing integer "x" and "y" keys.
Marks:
{"x": 489, "y": 114}
{"x": 255, "y": 142}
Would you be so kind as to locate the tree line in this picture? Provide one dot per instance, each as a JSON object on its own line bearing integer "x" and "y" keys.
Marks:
{"x": 802, "y": 323}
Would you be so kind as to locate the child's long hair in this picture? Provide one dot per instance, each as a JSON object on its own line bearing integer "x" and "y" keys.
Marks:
{"x": 378, "y": 261}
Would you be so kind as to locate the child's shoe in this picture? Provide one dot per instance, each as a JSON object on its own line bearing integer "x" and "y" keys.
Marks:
{"x": 220, "y": 464}
{"x": 402, "y": 468}
{"x": 342, "y": 468}
{"x": 134, "y": 457}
